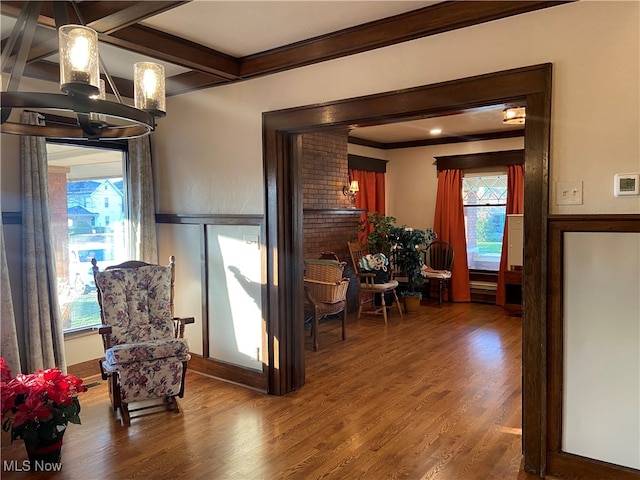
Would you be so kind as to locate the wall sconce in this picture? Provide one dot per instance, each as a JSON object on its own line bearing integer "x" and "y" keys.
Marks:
{"x": 351, "y": 190}
{"x": 514, "y": 115}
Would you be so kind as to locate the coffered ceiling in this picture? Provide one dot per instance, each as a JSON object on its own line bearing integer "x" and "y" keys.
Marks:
{"x": 207, "y": 43}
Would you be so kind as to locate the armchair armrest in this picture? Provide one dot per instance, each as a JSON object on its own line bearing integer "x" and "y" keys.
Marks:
{"x": 105, "y": 331}
{"x": 180, "y": 324}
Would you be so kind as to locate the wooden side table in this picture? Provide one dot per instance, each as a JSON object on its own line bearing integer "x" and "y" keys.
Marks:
{"x": 513, "y": 292}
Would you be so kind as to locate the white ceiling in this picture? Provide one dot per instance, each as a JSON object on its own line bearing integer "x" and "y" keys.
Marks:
{"x": 242, "y": 28}
{"x": 471, "y": 122}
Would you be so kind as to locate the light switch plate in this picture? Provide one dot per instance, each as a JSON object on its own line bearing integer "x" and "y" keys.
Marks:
{"x": 569, "y": 193}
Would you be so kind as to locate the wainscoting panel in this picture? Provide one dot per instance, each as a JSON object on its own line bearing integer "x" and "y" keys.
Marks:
{"x": 594, "y": 350}
{"x": 234, "y": 291}
{"x": 183, "y": 242}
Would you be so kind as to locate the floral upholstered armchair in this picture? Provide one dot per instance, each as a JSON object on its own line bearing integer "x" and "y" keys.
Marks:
{"x": 145, "y": 352}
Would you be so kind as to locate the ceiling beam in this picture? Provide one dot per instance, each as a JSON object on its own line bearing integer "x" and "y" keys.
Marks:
{"x": 427, "y": 142}
{"x": 106, "y": 17}
{"x": 438, "y": 18}
{"x": 176, "y": 50}
{"x": 118, "y": 21}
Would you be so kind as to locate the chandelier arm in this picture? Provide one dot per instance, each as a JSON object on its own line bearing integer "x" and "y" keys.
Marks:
{"x": 60, "y": 14}
{"x": 16, "y": 34}
{"x": 87, "y": 127}
{"x": 24, "y": 30}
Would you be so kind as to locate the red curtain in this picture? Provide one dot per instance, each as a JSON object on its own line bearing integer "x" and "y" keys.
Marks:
{"x": 449, "y": 225}
{"x": 515, "y": 204}
{"x": 370, "y": 198}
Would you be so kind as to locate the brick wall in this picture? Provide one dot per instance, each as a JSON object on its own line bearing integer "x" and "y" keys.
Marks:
{"x": 325, "y": 170}
{"x": 328, "y": 218}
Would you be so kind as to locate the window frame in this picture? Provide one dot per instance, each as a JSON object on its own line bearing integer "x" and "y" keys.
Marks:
{"x": 480, "y": 172}
{"x": 121, "y": 146}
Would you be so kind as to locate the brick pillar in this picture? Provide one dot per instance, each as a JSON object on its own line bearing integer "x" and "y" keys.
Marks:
{"x": 329, "y": 218}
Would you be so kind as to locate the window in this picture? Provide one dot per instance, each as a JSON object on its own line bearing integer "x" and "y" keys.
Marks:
{"x": 485, "y": 199}
{"x": 89, "y": 220}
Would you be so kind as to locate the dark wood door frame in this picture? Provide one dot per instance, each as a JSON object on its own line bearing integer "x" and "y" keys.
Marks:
{"x": 282, "y": 171}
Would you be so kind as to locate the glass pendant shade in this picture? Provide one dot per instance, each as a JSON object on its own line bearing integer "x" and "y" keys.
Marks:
{"x": 149, "y": 87}
{"x": 79, "y": 61}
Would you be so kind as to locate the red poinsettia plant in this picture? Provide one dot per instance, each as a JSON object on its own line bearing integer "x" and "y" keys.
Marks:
{"x": 37, "y": 407}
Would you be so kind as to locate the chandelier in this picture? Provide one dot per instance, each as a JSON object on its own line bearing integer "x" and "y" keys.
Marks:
{"x": 83, "y": 91}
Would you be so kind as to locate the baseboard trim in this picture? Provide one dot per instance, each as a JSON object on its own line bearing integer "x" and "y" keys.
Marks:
{"x": 84, "y": 370}
{"x": 232, "y": 373}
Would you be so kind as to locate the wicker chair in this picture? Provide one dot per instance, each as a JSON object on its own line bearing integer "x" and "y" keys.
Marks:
{"x": 325, "y": 292}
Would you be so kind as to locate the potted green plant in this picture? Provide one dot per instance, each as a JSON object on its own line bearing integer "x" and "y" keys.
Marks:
{"x": 378, "y": 227}
{"x": 409, "y": 243}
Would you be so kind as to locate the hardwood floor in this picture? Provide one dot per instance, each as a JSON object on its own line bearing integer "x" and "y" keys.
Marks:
{"x": 436, "y": 395}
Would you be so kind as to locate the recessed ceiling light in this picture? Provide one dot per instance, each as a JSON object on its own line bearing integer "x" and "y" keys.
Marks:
{"x": 435, "y": 131}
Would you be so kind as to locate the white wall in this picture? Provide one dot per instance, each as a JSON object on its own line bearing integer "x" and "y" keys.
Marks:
{"x": 412, "y": 177}
{"x": 209, "y": 147}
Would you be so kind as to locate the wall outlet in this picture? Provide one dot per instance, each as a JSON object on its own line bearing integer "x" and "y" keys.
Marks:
{"x": 569, "y": 193}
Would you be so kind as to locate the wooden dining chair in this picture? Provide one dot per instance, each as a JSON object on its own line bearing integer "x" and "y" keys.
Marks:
{"x": 438, "y": 261}
{"x": 367, "y": 288}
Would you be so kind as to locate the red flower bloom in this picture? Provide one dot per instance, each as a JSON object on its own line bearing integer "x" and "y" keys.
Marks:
{"x": 5, "y": 373}
{"x": 40, "y": 403}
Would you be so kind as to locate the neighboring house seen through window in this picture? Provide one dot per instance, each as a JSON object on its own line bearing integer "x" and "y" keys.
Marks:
{"x": 89, "y": 220}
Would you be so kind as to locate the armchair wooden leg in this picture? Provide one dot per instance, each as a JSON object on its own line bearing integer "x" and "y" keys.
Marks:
{"x": 124, "y": 414}
{"x": 440, "y": 294}
{"x": 172, "y": 404}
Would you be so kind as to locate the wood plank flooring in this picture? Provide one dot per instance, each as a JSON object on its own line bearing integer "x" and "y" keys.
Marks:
{"x": 436, "y": 395}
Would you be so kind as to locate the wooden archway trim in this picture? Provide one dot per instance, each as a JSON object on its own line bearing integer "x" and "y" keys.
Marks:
{"x": 284, "y": 217}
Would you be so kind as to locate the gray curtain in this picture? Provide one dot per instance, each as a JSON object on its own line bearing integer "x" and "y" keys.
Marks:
{"x": 9, "y": 346}
{"x": 141, "y": 201}
{"x": 44, "y": 339}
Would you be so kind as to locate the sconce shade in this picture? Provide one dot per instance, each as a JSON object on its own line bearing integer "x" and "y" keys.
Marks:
{"x": 514, "y": 115}
{"x": 79, "y": 61}
{"x": 149, "y": 87}
{"x": 354, "y": 187}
